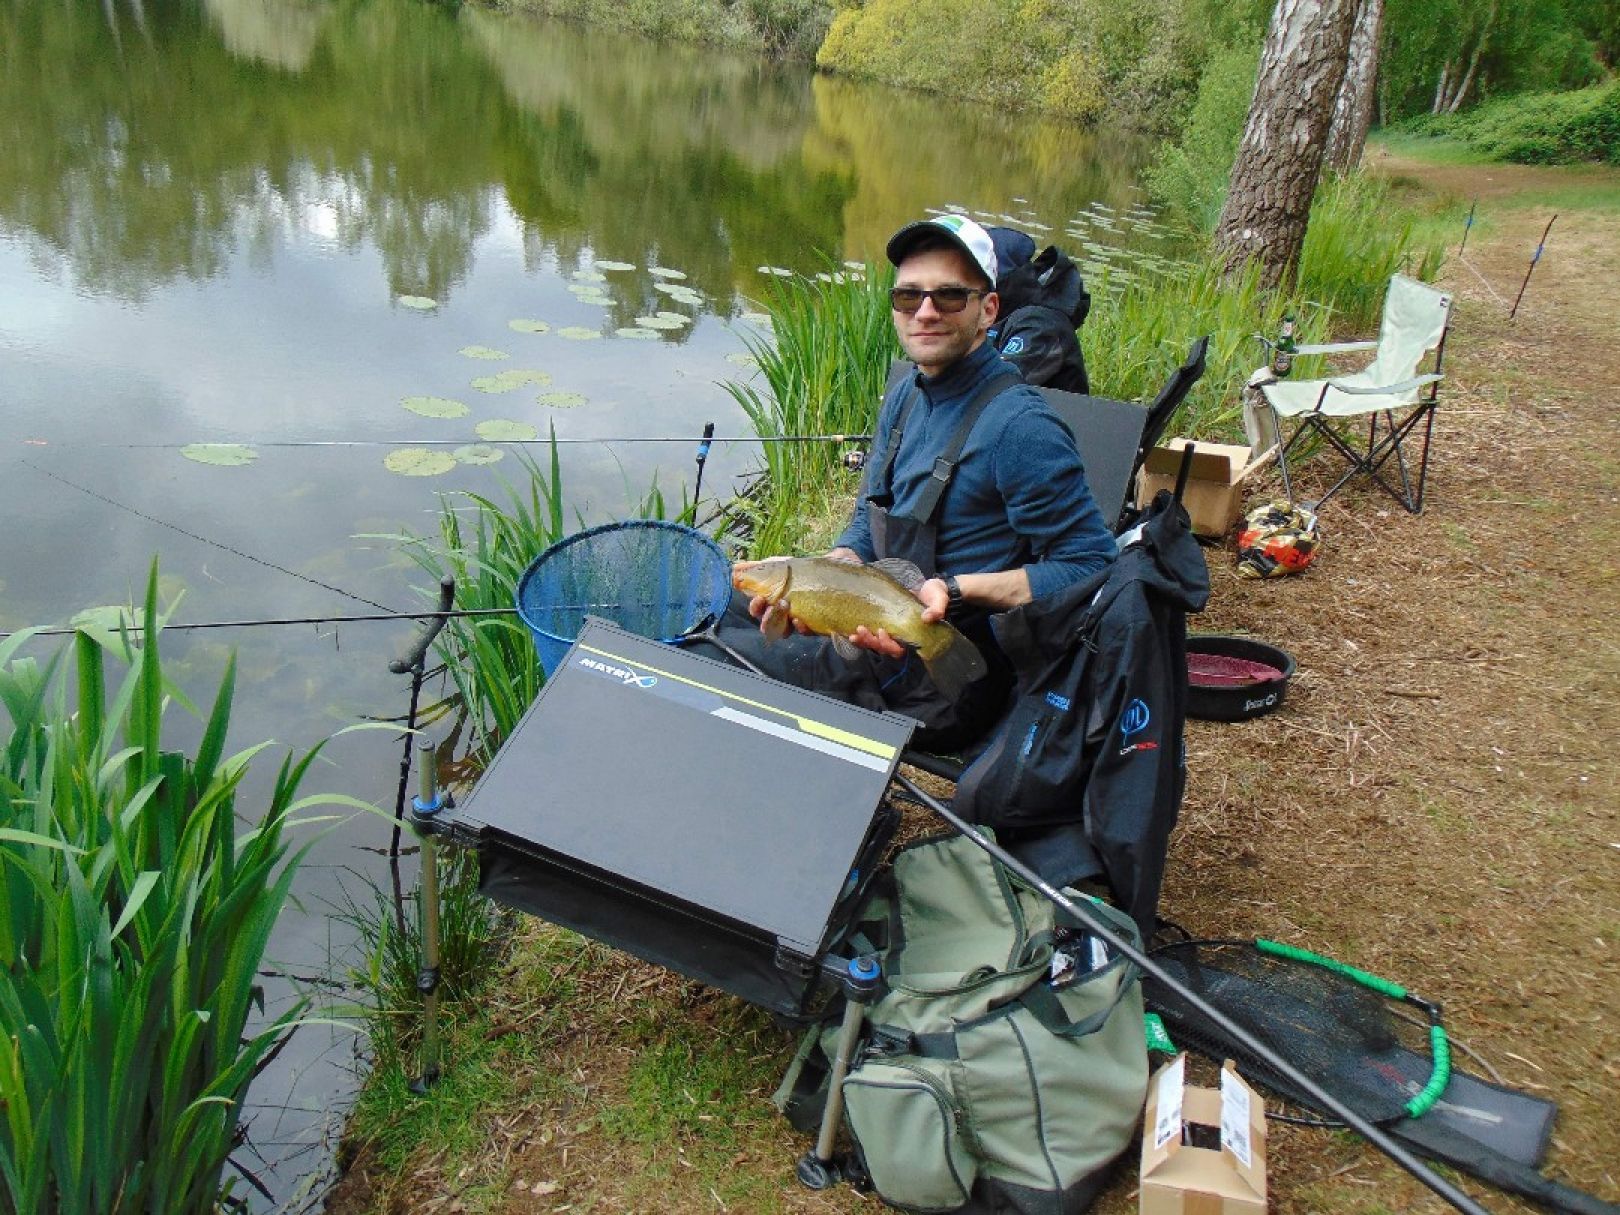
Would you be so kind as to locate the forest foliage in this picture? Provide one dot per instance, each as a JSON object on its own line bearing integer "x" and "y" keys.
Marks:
{"x": 1145, "y": 61}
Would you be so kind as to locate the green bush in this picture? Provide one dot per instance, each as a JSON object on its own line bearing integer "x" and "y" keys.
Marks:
{"x": 1138, "y": 60}
{"x": 1538, "y": 128}
{"x": 1190, "y": 172}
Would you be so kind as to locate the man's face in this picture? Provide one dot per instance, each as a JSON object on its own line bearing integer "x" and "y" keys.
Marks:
{"x": 933, "y": 339}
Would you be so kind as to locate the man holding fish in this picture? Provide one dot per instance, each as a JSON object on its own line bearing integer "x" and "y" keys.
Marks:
{"x": 975, "y": 501}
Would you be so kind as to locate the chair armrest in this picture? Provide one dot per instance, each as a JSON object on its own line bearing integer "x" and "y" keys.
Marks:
{"x": 1403, "y": 386}
{"x": 1336, "y": 348}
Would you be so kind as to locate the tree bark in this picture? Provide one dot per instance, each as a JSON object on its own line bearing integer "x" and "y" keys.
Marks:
{"x": 1268, "y": 202}
{"x": 1440, "y": 89}
{"x": 1353, "y": 111}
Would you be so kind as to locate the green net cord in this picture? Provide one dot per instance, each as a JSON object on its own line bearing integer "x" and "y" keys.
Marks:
{"x": 1393, "y": 990}
{"x": 1438, "y": 1078}
{"x": 1439, "y": 1046}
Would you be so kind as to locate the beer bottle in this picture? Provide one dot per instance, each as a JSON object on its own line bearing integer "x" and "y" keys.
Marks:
{"x": 1282, "y": 353}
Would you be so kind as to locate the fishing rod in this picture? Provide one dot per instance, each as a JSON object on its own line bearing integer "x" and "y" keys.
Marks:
{"x": 607, "y": 439}
{"x": 360, "y": 617}
{"x": 1096, "y": 924}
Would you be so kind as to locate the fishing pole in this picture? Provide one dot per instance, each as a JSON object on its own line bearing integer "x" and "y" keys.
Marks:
{"x": 1535, "y": 257}
{"x": 702, "y": 459}
{"x": 1095, "y": 923}
{"x": 1468, "y": 226}
{"x": 604, "y": 440}
{"x": 427, "y": 614}
{"x": 191, "y": 535}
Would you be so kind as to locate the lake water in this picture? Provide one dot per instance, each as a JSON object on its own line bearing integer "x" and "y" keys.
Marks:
{"x": 215, "y": 219}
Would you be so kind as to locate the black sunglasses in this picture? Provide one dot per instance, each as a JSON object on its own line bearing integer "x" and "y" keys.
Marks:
{"x": 946, "y": 299}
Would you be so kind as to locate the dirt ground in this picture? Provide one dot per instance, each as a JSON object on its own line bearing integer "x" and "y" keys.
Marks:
{"x": 1435, "y": 802}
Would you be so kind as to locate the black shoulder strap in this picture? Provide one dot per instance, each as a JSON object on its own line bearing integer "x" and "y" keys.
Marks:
{"x": 945, "y": 464}
{"x": 883, "y": 482}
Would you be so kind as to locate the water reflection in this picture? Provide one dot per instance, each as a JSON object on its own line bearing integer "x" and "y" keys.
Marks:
{"x": 390, "y": 125}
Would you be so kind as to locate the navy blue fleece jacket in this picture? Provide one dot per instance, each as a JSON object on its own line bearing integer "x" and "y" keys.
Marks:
{"x": 1019, "y": 495}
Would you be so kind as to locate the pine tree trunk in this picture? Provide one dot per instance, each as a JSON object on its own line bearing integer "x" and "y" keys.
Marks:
{"x": 1274, "y": 179}
{"x": 1352, "y": 112}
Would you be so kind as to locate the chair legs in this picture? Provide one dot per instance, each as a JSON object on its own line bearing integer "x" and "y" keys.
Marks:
{"x": 1386, "y": 439}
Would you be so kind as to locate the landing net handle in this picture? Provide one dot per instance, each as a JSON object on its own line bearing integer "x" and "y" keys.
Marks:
{"x": 1095, "y": 923}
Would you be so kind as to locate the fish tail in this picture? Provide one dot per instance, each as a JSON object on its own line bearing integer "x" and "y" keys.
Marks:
{"x": 953, "y": 662}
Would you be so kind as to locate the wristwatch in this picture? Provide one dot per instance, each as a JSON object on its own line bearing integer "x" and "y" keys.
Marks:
{"x": 953, "y": 592}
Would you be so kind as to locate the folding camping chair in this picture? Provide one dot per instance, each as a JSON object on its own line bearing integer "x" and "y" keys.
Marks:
{"x": 1397, "y": 402}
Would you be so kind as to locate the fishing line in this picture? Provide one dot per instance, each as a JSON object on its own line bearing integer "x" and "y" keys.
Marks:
{"x": 265, "y": 562}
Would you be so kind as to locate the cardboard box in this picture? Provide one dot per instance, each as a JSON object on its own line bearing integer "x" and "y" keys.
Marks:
{"x": 1214, "y": 493}
{"x": 1180, "y": 1178}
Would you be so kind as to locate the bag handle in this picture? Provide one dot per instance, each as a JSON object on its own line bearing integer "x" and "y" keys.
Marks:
{"x": 1044, "y": 1005}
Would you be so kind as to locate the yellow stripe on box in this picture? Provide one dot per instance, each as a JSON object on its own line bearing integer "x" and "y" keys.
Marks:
{"x": 809, "y": 725}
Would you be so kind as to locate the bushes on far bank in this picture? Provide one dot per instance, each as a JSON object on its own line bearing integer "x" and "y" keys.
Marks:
{"x": 1137, "y": 61}
{"x": 1538, "y": 128}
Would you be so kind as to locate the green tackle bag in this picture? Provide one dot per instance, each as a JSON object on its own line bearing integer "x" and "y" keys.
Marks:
{"x": 1003, "y": 1065}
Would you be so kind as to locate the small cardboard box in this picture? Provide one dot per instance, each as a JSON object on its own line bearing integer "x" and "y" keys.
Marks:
{"x": 1180, "y": 1178}
{"x": 1214, "y": 493}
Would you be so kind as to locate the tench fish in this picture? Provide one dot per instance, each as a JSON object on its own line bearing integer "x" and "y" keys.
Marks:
{"x": 837, "y": 597}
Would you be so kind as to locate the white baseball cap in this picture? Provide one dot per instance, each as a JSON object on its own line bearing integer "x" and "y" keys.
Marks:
{"x": 961, "y": 231}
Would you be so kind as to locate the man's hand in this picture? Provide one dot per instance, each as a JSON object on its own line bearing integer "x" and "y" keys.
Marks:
{"x": 934, "y": 599}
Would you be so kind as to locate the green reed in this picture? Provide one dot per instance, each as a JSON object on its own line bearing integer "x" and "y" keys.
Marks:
{"x": 824, "y": 368}
{"x": 136, "y": 910}
{"x": 473, "y": 934}
{"x": 486, "y": 543}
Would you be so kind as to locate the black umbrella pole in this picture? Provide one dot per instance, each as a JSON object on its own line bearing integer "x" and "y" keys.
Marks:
{"x": 1378, "y": 1138}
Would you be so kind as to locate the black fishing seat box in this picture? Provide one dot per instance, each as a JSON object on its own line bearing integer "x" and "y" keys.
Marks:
{"x": 696, "y": 815}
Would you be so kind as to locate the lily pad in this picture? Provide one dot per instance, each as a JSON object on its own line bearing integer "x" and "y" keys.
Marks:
{"x": 605, "y": 265}
{"x": 659, "y": 322}
{"x": 524, "y": 325}
{"x": 680, "y": 318}
{"x": 505, "y": 381}
{"x": 742, "y": 360}
{"x": 563, "y": 400}
{"x": 435, "y": 407}
{"x": 226, "y": 455}
{"x": 584, "y": 288}
{"x": 778, "y": 271}
{"x": 588, "y": 276}
{"x": 477, "y": 453}
{"x": 597, "y": 298}
{"x": 636, "y": 331}
{"x": 664, "y": 272}
{"x": 502, "y": 430}
{"x": 421, "y": 303}
{"x": 578, "y": 333}
{"x": 756, "y": 318}
{"x": 483, "y": 352}
{"x": 418, "y": 462}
